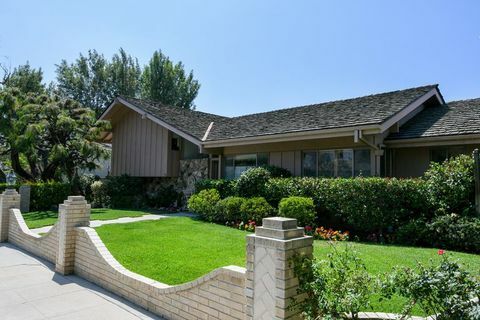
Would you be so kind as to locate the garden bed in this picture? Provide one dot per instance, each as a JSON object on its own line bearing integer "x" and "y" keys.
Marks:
{"x": 177, "y": 250}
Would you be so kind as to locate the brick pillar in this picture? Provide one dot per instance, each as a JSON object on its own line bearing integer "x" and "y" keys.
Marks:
{"x": 74, "y": 212}
{"x": 271, "y": 283}
{"x": 9, "y": 199}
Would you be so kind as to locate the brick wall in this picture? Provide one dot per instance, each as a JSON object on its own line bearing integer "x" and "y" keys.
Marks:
{"x": 217, "y": 295}
{"x": 19, "y": 234}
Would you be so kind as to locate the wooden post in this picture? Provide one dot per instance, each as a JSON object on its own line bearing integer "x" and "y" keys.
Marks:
{"x": 476, "y": 161}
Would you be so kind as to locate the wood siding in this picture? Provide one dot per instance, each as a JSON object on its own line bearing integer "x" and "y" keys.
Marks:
{"x": 140, "y": 147}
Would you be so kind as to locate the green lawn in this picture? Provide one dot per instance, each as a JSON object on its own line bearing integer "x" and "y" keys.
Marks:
{"x": 37, "y": 219}
{"x": 177, "y": 250}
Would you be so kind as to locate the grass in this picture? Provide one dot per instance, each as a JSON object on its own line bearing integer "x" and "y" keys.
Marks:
{"x": 38, "y": 219}
{"x": 180, "y": 249}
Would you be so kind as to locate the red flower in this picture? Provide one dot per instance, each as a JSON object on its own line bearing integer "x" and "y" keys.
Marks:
{"x": 308, "y": 228}
{"x": 440, "y": 251}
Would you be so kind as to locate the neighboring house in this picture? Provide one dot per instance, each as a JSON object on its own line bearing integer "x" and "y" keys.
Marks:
{"x": 103, "y": 165}
{"x": 389, "y": 134}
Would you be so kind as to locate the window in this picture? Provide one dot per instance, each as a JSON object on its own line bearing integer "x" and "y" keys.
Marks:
{"x": 235, "y": 165}
{"x": 442, "y": 154}
{"x": 337, "y": 163}
{"x": 175, "y": 144}
{"x": 310, "y": 164}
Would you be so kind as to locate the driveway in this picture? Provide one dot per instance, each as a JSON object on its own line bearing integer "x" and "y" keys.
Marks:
{"x": 30, "y": 289}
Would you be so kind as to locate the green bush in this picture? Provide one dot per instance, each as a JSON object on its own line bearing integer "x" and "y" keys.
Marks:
{"x": 226, "y": 188}
{"x": 455, "y": 232}
{"x": 229, "y": 209}
{"x": 300, "y": 208}
{"x": 165, "y": 196}
{"x": 277, "y": 172}
{"x": 251, "y": 183}
{"x": 414, "y": 233}
{"x": 100, "y": 198}
{"x": 451, "y": 185}
{"x": 204, "y": 203}
{"x": 84, "y": 184}
{"x": 45, "y": 195}
{"x": 124, "y": 191}
{"x": 444, "y": 291}
{"x": 256, "y": 209}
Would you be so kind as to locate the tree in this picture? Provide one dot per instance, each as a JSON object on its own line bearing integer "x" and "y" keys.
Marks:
{"x": 125, "y": 74}
{"x": 87, "y": 81}
{"x": 168, "y": 83}
{"x": 47, "y": 137}
{"x": 25, "y": 78}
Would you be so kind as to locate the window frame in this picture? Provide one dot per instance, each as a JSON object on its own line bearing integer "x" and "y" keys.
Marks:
{"x": 335, "y": 162}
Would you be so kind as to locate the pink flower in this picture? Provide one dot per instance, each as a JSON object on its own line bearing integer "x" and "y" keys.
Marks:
{"x": 440, "y": 251}
{"x": 308, "y": 228}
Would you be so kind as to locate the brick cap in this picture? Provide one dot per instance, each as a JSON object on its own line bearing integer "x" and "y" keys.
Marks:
{"x": 10, "y": 192}
{"x": 279, "y": 223}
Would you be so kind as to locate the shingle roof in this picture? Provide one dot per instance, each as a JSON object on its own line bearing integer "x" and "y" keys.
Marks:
{"x": 367, "y": 110}
{"x": 453, "y": 118}
{"x": 194, "y": 123}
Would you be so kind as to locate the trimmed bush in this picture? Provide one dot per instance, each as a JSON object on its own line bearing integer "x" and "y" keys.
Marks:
{"x": 256, "y": 209}
{"x": 229, "y": 209}
{"x": 252, "y": 182}
{"x": 455, "y": 232}
{"x": 165, "y": 196}
{"x": 300, "y": 208}
{"x": 451, "y": 185}
{"x": 99, "y": 195}
{"x": 225, "y": 188}
{"x": 45, "y": 195}
{"x": 277, "y": 172}
{"x": 204, "y": 203}
{"x": 124, "y": 191}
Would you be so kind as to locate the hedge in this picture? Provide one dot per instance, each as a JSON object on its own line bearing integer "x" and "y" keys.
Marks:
{"x": 45, "y": 195}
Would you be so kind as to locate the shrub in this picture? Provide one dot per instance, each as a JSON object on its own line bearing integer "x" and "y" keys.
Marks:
{"x": 100, "y": 198}
{"x": 445, "y": 291}
{"x": 451, "y": 185}
{"x": 229, "y": 209}
{"x": 226, "y": 188}
{"x": 414, "y": 233}
{"x": 165, "y": 196}
{"x": 204, "y": 203}
{"x": 252, "y": 182}
{"x": 300, "y": 208}
{"x": 277, "y": 172}
{"x": 124, "y": 191}
{"x": 335, "y": 288}
{"x": 84, "y": 184}
{"x": 255, "y": 209}
{"x": 45, "y": 195}
{"x": 455, "y": 232}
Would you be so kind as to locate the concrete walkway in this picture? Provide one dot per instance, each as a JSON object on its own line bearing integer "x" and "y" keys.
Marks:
{"x": 30, "y": 289}
{"x": 147, "y": 217}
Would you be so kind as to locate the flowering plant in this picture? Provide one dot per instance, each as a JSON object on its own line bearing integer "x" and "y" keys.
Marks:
{"x": 327, "y": 234}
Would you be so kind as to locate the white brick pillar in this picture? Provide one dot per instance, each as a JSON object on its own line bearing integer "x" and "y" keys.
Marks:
{"x": 74, "y": 212}
{"x": 271, "y": 283}
{"x": 9, "y": 199}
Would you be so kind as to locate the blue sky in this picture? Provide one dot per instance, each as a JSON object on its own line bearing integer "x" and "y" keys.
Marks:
{"x": 252, "y": 56}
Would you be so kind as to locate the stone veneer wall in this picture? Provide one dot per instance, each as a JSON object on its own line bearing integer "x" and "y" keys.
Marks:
{"x": 217, "y": 295}
{"x": 20, "y": 235}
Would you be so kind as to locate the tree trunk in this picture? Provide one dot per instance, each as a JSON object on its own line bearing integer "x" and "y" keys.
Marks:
{"x": 17, "y": 167}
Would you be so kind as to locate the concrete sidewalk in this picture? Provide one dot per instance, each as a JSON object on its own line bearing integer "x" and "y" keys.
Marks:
{"x": 147, "y": 217}
{"x": 30, "y": 289}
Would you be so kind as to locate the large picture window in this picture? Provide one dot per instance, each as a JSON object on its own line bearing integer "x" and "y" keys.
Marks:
{"x": 235, "y": 165}
{"x": 337, "y": 163}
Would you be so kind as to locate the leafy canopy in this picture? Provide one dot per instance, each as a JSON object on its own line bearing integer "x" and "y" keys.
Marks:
{"x": 46, "y": 137}
{"x": 24, "y": 78}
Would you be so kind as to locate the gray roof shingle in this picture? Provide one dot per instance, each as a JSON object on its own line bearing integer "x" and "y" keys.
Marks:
{"x": 454, "y": 118}
{"x": 367, "y": 110}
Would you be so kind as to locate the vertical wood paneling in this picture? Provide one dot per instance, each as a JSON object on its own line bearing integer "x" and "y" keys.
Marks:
{"x": 276, "y": 159}
{"x": 288, "y": 160}
{"x": 298, "y": 163}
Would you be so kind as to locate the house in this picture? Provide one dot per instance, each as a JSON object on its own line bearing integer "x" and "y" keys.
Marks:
{"x": 388, "y": 134}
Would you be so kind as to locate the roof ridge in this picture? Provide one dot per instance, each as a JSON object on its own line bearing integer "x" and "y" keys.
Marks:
{"x": 464, "y": 100}
{"x": 335, "y": 101}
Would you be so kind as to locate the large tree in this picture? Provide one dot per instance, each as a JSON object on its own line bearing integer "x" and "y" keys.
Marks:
{"x": 164, "y": 81}
{"x": 124, "y": 72}
{"x": 25, "y": 78}
{"x": 47, "y": 137}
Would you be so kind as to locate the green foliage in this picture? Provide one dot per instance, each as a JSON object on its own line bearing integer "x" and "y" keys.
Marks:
{"x": 454, "y": 232}
{"x": 336, "y": 287}
{"x": 124, "y": 191}
{"x": 225, "y": 188}
{"x": 251, "y": 183}
{"x": 44, "y": 195}
{"x": 277, "y": 172}
{"x": 300, "y": 208}
{"x": 46, "y": 137}
{"x": 84, "y": 183}
{"x": 164, "y": 81}
{"x": 204, "y": 203}
{"x": 414, "y": 232}
{"x": 445, "y": 291}
{"x": 451, "y": 185}
{"x": 100, "y": 198}
{"x": 165, "y": 196}
{"x": 229, "y": 209}
{"x": 256, "y": 209}
{"x": 26, "y": 79}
